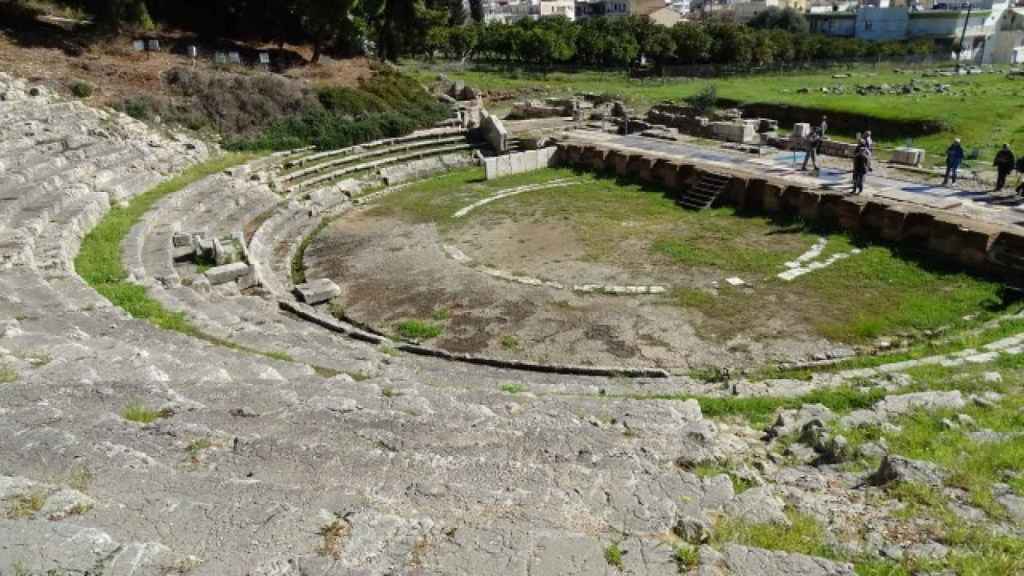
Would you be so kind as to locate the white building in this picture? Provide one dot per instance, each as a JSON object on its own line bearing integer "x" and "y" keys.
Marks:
{"x": 744, "y": 12}
{"x": 506, "y": 11}
{"x": 1007, "y": 44}
{"x": 589, "y": 8}
{"x": 513, "y": 10}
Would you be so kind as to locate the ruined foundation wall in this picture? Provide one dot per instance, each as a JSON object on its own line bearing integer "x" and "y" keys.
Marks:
{"x": 519, "y": 162}
{"x": 979, "y": 246}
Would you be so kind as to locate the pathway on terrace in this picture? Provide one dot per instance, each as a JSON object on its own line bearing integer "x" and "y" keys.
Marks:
{"x": 783, "y": 164}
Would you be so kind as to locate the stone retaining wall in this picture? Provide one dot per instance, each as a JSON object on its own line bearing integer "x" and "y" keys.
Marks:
{"x": 519, "y": 162}
{"x": 979, "y": 246}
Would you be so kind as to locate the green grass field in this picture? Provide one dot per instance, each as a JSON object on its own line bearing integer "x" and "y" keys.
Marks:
{"x": 877, "y": 292}
{"x": 984, "y": 110}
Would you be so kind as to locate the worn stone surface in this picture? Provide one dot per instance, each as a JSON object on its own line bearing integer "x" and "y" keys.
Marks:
{"x": 899, "y": 469}
{"x": 227, "y": 273}
{"x": 736, "y": 560}
{"x": 128, "y": 449}
{"x": 317, "y": 291}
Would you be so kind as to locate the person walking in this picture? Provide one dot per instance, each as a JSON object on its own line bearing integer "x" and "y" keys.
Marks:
{"x": 861, "y": 166}
{"x": 954, "y": 156}
{"x": 1020, "y": 175}
{"x": 811, "y": 149}
{"x": 1004, "y": 163}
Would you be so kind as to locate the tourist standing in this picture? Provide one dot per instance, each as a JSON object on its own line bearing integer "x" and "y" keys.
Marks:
{"x": 861, "y": 166}
{"x": 954, "y": 156}
{"x": 824, "y": 126}
{"x": 868, "y": 142}
{"x": 811, "y": 148}
{"x": 1020, "y": 175}
{"x": 1004, "y": 163}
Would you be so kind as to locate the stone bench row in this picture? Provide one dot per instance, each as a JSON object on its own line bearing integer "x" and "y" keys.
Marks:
{"x": 977, "y": 245}
{"x": 377, "y": 164}
{"x": 376, "y": 152}
{"x": 418, "y": 135}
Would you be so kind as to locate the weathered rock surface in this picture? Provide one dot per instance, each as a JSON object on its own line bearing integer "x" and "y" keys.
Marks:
{"x": 317, "y": 291}
{"x": 899, "y": 469}
{"x": 736, "y": 560}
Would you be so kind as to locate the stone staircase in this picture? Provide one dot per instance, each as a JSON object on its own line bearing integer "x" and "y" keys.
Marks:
{"x": 704, "y": 192}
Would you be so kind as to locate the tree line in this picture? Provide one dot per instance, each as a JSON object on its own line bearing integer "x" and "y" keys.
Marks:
{"x": 391, "y": 29}
{"x": 603, "y": 42}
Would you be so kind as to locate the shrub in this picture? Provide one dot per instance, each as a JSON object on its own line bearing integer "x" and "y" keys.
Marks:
{"x": 81, "y": 89}
{"x": 417, "y": 330}
{"x": 143, "y": 415}
{"x": 138, "y": 107}
{"x": 704, "y": 100}
{"x": 613, "y": 556}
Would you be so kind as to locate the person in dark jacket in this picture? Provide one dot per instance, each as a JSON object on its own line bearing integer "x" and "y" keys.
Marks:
{"x": 861, "y": 166}
{"x": 1004, "y": 163}
{"x": 811, "y": 145}
{"x": 954, "y": 156}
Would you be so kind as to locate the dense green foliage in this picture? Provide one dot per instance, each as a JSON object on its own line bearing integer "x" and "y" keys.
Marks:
{"x": 619, "y": 42}
{"x": 386, "y": 106}
{"x": 391, "y": 29}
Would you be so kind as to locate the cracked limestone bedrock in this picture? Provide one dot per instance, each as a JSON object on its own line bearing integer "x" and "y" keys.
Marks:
{"x": 735, "y": 560}
{"x": 758, "y": 506}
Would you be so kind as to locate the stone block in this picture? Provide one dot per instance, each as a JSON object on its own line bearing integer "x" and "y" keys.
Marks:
{"x": 848, "y": 213}
{"x": 969, "y": 247}
{"x": 734, "y": 187}
{"x": 873, "y": 217}
{"x": 595, "y": 158}
{"x": 749, "y": 199}
{"x": 531, "y": 161}
{"x": 491, "y": 168}
{"x": 227, "y": 273}
{"x": 917, "y": 227}
{"x": 226, "y": 250}
{"x": 617, "y": 162}
{"x": 1008, "y": 250}
{"x": 250, "y": 280}
{"x": 183, "y": 253}
{"x": 549, "y": 157}
{"x": 494, "y": 132}
{"x": 203, "y": 246}
{"x": 515, "y": 163}
{"x": 908, "y": 156}
{"x": 805, "y": 202}
{"x": 180, "y": 239}
{"x": 838, "y": 149}
{"x": 665, "y": 173}
{"x": 771, "y": 198}
{"x": 317, "y": 291}
{"x": 801, "y": 130}
{"x": 642, "y": 168}
{"x": 740, "y": 132}
{"x": 572, "y": 154}
{"x": 892, "y": 224}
